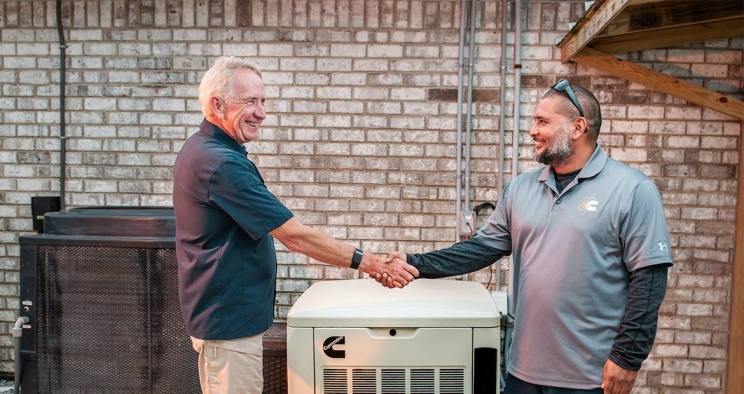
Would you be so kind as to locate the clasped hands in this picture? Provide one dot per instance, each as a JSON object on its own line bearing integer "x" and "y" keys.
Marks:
{"x": 393, "y": 271}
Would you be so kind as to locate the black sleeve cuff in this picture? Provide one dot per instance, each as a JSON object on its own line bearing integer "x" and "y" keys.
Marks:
{"x": 622, "y": 362}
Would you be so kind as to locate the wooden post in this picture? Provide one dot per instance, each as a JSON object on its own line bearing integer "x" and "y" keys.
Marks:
{"x": 735, "y": 377}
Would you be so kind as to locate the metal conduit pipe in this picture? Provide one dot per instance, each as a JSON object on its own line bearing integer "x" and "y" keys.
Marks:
{"x": 458, "y": 176}
{"x": 502, "y": 114}
{"x": 513, "y": 274}
{"x": 502, "y": 135}
{"x": 471, "y": 84}
{"x": 517, "y": 84}
{"x": 62, "y": 136}
{"x": 513, "y": 290}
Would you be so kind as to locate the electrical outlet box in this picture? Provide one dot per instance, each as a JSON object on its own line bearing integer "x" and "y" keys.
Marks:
{"x": 467, "y": 225}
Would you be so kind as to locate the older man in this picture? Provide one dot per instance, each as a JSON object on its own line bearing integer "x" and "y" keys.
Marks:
{"x": 590, "y": 247}
{"x": 226, "y": 219}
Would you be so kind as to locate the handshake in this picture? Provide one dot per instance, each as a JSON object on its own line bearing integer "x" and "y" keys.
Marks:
{"x": 393, "y": 271}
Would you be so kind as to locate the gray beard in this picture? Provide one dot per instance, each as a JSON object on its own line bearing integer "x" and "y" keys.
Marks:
{"x": 558, "y": 149}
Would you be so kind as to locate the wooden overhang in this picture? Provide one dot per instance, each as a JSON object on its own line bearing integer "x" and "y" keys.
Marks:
{"x": 620, "y": 26}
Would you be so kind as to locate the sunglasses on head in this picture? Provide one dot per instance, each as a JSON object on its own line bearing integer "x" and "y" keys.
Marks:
{"x": 563, "y": 86}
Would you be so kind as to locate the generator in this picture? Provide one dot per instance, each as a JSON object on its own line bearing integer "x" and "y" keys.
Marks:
{"x": 356, "y": 336}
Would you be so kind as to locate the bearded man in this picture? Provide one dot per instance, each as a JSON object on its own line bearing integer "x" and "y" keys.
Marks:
{"x": 590, "y": 249}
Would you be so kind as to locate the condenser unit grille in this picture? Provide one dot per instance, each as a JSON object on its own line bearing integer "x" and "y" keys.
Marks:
{"x": 393, "y": 380}
{"x": 108, "y": 320}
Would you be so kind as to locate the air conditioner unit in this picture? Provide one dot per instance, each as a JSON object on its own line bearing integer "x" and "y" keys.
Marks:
{"x": 100, "y": 289}
{"x": 355, "y": 336}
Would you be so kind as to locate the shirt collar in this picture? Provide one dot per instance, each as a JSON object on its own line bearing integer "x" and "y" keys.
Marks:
{"x": 595, "y": 164}
{"x": 220, "y": 135}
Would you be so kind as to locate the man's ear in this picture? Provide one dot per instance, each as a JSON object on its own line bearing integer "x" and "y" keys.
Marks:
{"x": 218, "y": 107}
{"x": 579, "y": 127}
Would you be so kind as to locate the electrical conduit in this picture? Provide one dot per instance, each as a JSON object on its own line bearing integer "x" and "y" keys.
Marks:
{"x": 62, "y": 136}
{"x": 517, "y": 84}
{"x": 513, "y": 289}
{"x": 502, "y": 115}
{"x": 458, "y": 176}
{"x": 471, "y": 84}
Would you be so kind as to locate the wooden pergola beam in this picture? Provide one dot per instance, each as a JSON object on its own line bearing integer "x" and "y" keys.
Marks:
{"x": 597, "y": 18}
{"x": 669, "y": 37}
{"x": 618, "y": 26}
{"x": 661, "y": 82}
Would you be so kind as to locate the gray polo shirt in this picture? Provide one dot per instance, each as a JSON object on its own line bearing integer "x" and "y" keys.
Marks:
{"x": 573, "y": 253}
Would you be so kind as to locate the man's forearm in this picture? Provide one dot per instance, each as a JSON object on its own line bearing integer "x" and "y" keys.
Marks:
{"x": 460, "y": 258}
{"x": 638, "y": 327}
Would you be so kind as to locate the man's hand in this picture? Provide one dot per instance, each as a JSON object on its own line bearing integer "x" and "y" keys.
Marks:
{"x": 617, "y": 380}
{"x": 392, "y": 258}
{"x": 397, "y": 272}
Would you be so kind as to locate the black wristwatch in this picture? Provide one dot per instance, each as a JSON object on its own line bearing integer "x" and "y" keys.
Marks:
{"x": 356, "y": 259}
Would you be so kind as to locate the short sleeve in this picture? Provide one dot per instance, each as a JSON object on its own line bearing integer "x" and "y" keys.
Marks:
{"x": 644, "y": 234}
{"x": 237, "y": 188}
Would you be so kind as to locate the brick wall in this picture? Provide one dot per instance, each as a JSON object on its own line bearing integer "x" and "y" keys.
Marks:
{"x": 360, "y": 137}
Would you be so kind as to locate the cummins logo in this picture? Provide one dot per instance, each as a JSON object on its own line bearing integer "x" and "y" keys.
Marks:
{"x": 328, "y": 347}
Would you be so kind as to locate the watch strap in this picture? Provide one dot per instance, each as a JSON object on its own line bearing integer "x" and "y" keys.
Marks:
{"x": 356, "y": 259}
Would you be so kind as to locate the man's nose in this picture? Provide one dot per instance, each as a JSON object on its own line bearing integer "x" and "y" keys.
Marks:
{"x": 260, "y": 111}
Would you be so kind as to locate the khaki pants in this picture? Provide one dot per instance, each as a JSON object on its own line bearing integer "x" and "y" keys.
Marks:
{"x": 232, "y": 366}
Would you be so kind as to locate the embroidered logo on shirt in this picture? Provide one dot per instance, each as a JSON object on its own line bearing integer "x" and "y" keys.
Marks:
{"x": 588, "y": 205}
{"x": 663, "y": 246}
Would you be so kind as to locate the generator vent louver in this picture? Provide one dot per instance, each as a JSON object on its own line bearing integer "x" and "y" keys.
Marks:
{"x": 451, "y": 381}
{"x": 393, "y": 381}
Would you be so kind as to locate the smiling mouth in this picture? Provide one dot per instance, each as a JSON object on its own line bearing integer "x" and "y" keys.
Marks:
{"x": 252, "y": 124}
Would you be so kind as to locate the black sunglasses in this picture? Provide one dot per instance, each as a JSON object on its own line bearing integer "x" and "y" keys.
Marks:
{"x": 563, "y": 86}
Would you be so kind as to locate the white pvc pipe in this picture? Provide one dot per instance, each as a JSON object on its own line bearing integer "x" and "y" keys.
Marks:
{"x": 17, "y": 333}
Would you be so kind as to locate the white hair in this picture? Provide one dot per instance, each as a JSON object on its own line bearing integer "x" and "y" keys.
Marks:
{"x": 217, "y": 81}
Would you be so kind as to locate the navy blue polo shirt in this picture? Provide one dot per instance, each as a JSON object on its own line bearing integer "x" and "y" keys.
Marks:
{"x": 226, "y": 257}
